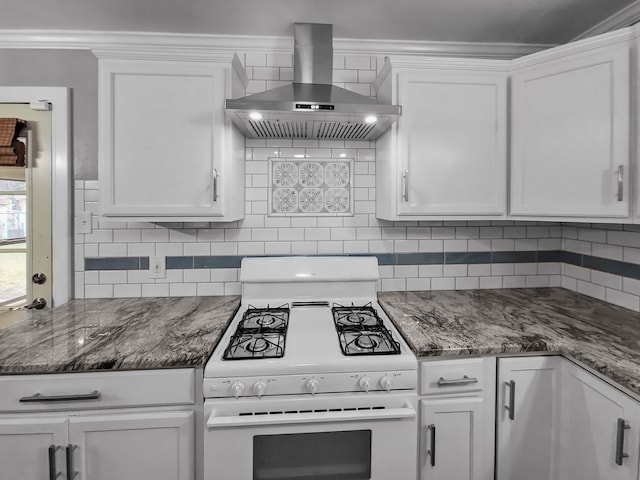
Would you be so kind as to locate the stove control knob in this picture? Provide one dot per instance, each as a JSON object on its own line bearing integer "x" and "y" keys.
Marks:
{"x": 259, "y": 388}
{"x": 385, "y": 383}
{"x": 312, "y": 386}
{"x": 365, "y": 384}
{"x": 237, "y": 389}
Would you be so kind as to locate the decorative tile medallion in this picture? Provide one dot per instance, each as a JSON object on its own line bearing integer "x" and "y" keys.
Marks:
{"x": 310, "y": 187}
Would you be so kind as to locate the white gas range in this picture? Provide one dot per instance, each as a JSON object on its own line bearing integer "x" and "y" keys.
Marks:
{"x": 311, "y": 380}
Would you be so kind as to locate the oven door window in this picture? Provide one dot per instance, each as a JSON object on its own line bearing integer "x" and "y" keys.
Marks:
{"x": 313, "y": 456}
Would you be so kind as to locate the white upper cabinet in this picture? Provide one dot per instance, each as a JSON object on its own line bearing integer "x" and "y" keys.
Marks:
{"x": 446, "y": 156}
{"x": 167, "y": 152}
{"x": 570, "y": 115}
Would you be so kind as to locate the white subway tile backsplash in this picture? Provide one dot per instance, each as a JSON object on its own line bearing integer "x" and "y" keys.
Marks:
{"x": 362, "y": 233}
{"x": 467, "y": 283}
{"x": 131, "y": 290}
{"x": 606, "y": 279}
{"x": 154, "y": 290}
{"x": 416, "y": 284}
{"x": 155, "y": 235}
{"x": 112, "y": 250}
{"x": 209, "y": 289}
{"x": 586, "y": 288}
{"x": 490, "y": 282}
{"x": 455, "y": 270}
{"x": 622, "y": 299}
{"x": 537, "y": 281}
{"x": 443, "y": 283}
{"x": 183, "y": 290}
{"x": 405, "y": 271}
{"x": 197, "y": 249}
{"x": 98, "y": 291}
{"x": 277, "y": 248}
{"x": 514, "y": 281}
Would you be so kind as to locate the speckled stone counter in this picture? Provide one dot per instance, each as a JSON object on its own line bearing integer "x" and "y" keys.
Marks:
{"x": 599, "y": 335}
{"x": 115, "y": 334}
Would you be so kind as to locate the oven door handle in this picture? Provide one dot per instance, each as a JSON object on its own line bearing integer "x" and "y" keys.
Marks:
{"x": 215, "y": 421}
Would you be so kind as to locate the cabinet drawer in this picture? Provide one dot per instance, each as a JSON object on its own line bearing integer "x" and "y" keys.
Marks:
{"x": 456, "y": 376}
{"x": 96, "y": 390}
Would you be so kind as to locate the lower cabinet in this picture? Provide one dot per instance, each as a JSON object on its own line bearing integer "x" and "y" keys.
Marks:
{"x": 135, "y": 425}
{"x": 457, "y": 419}
{"x": 528, "y": 417}
{"x": 557, "y": 421}
{"x": 28, "y": 447}
{"x": 600, "y": 429}
{"x": 132, "y": 446}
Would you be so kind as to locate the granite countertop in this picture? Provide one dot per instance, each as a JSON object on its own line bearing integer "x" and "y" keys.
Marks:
{"x": 601, "y": 336}
{"x": 115, "y": 334}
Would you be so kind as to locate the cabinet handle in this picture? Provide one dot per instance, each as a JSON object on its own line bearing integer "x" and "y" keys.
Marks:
{"x": 69, "y": 454}
{"x": 53, "y": 474}
{"x": 622, "y": 426}
{"x": 431, "y": 452}
{"x": 511, "y": 407}
{"x": 465, "y": 380}
{"x": 37, "y": 397}
{"x": 405, "y": 185}
{"x": 620, "y": 182}
{"x": 215, "y": 184}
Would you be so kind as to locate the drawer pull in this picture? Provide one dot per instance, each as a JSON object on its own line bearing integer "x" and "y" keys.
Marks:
{"x": 620, "y": 454}
{"x": 37, "y": 397}
{"x": 53, "y": 473}
{"x": 466, "y": 380}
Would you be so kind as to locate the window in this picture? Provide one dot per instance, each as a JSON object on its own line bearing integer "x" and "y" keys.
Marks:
{"x": 13, "y": 236}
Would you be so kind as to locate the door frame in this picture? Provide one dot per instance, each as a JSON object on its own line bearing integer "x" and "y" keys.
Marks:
{"x": 62, "y": 213}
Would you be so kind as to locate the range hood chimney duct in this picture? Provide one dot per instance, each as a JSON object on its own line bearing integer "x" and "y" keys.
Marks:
{"x": 313, "y": 53}
{"x": 311, "y": 107}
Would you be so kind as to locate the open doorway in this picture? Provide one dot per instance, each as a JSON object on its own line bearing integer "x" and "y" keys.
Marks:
{"x": 25, "y": 213}
{"x": 49, "y": 132}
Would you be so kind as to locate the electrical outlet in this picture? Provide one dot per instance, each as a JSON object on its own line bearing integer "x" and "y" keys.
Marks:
{"x": 83, "y": 222}
{"x": 157, "y": 266}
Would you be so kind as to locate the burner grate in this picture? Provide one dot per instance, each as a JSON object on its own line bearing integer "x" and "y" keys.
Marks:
{"x": 361, "y": 331}
{"x": 260, "y": 334}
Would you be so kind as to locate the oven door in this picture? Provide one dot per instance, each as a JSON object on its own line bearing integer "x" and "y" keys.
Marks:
{"x": 336, "y": 437}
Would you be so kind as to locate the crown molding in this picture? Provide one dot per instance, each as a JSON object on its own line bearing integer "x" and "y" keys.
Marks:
{"x": 450, "y": 63}
{"x": 624, "y": 35}
{"x": 194, "y": 47}
{"x": 621, "y": 19}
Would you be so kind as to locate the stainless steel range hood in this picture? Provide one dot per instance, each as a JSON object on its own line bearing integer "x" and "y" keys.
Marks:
{"x": 311, "y": 107}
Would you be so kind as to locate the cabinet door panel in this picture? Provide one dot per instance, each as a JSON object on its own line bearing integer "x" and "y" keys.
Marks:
{"x": 453, "y": 139}
{"x": 461, "y": 450}
{"x": 527, "y": 444}
{"x": 165, "y": 145}
{"x": 24, "y": 447}
{"x": 570, "y": 136}
{"x": 591, "y": 410}
{"x": 157, "y": 446}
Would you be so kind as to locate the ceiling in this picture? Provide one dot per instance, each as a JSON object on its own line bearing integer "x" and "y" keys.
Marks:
{"x": 492, "y": 21}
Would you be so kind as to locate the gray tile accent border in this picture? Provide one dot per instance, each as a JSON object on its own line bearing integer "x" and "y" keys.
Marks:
{"x": 176, "y": 263}
{"x": 116, "y": 263}
{"x": 616, "y": 267}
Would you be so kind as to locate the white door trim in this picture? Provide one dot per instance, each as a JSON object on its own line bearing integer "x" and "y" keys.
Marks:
{"x": 61, "y": 172}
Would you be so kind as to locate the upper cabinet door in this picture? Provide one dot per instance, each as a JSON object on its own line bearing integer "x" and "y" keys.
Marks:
{"x": 570, "y": 134}
{"x": 446, "y": 157}
{"x": 453, "y": 143}
{"x": 166, "y": 149}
